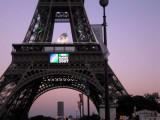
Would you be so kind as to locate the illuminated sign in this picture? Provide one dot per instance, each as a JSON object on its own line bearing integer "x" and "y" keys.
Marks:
{"x": 59, "y": 58}
{"x": 53, "y": 58}
{"x": 63, "y": 58}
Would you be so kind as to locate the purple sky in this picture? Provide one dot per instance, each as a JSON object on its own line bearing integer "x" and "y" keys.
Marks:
{"x": 133, "y": 42}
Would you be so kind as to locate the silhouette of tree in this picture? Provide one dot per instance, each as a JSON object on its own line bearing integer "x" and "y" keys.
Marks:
{"x": 152, "y": 97}
{"x": 126, "y": 104}
{"x": 93, "y": 117}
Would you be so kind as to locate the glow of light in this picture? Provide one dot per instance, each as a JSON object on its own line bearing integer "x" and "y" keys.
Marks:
{"x": 53, "y": 58}
{"x": 59, "y": 58}
{"x": 63, "y": 38}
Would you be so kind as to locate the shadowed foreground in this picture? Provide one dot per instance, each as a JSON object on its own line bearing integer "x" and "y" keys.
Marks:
{"x": 41, "y": 117}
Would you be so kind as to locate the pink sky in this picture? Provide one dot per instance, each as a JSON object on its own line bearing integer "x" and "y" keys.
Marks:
{"x": 70, "y": 98}
{"x": 133, "y": 39}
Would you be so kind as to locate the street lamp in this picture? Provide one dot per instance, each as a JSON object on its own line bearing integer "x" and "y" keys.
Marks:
{"x": 86, "y": 84}
{"x": 104, "y": 3}
{"x": 76, "y": 115}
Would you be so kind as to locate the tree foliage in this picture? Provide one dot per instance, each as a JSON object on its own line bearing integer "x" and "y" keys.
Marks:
{"x": 41, "y": 117}
{"x": 152, "y": 97}
{"x": 93, "y": 117}
{"x": 126, "y": 104}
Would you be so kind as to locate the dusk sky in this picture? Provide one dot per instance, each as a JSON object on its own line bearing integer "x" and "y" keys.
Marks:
{"x": 133, "y": 33}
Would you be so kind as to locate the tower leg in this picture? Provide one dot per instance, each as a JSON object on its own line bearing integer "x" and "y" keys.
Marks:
{"x": 112, "y": 112}
{"x": 102, "y": 111}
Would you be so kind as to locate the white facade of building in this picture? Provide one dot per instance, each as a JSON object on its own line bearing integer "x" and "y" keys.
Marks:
{"x": 147, "y": 115}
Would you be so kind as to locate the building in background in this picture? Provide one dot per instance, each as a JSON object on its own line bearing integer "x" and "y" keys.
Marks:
{"x": 147, "y": 115}
{"x": 60, "y": 108}
{"x": 60, "y": 111}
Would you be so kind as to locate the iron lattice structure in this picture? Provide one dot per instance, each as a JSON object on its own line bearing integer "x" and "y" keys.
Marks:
{"x": 30, "y": 73}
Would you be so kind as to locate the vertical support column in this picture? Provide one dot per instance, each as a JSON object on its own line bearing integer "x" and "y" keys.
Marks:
{"x": 112, "y": 112}
{"x": 88, "y": 107}
{"x": 73, "y": 29}
{"x": 102, "y": 111}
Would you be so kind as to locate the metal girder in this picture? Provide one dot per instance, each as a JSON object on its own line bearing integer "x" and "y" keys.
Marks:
{"x": 51, "y": 11}
{"x": 30, "y": 73}
{"x": 30, "y": 68}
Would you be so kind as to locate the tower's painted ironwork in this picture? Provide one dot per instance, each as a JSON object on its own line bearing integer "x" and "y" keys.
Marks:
{"x": 31, "y": 74}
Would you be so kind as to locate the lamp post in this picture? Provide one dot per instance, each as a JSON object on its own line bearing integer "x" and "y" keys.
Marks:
{"x": 104, "y": 3}
{"x": 86, "y": 84}
{"x": 76, "y": 115}
{"x": 88, "y": 104}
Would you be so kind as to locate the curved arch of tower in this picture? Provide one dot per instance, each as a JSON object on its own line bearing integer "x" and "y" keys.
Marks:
{"x": 38, "y": 65}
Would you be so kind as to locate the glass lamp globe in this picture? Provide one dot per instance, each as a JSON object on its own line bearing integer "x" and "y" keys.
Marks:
{"x": 103, "y": 3}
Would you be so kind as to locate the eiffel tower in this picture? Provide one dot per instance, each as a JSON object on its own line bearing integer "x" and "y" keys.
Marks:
{"x": 38, "y": 65}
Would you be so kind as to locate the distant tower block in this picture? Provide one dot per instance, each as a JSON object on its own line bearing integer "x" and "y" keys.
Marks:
{"x": 60, "y": 107}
